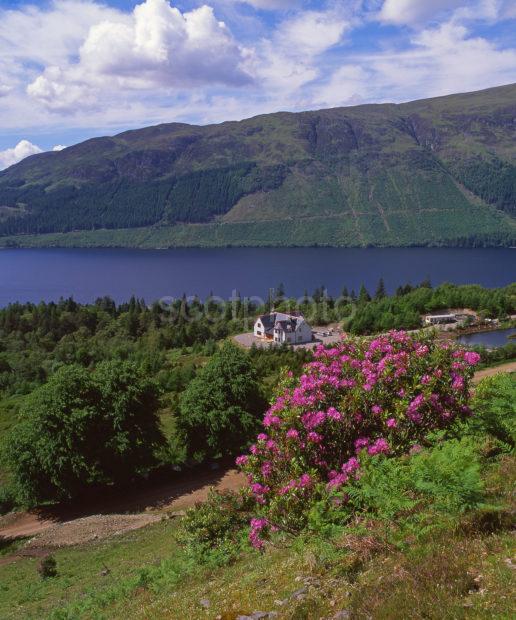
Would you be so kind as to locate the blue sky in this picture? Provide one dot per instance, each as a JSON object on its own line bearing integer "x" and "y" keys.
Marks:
{"x": 74, "y": 69}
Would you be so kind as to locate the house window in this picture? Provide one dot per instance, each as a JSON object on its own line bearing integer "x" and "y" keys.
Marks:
{"x": 258, "y": 332}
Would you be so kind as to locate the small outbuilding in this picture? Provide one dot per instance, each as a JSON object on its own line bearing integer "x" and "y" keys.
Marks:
{"x": 440, "y": 319}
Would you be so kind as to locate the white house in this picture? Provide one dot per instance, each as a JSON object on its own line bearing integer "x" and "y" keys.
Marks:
{"x": 283, "y": 328}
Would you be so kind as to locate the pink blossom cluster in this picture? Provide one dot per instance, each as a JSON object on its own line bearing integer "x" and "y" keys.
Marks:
{"x": 379, "y": 396}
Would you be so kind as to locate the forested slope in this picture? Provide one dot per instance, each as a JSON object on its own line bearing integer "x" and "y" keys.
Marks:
{"x": 436, "y": 171}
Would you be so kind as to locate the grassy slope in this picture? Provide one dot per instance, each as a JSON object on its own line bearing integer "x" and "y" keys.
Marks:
{"x": 380, "y": 175}
{"x": 460, "y": 568}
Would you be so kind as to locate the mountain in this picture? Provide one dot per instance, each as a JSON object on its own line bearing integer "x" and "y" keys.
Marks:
{"x": 438, "y": 171}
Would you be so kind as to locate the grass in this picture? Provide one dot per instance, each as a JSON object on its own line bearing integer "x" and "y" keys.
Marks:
{"x": 23, "y": 594}
{"x": 459, "y": 568}
{"x": 8, "y": 547}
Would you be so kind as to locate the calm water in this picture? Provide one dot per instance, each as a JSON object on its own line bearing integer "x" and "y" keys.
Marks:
{"x": 497, "y": 338}
{"x": 46, "y": 274}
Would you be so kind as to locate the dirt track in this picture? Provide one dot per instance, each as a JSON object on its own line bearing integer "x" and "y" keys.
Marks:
{"x": 489, "y": 372}
{"x": 69, "y": 525}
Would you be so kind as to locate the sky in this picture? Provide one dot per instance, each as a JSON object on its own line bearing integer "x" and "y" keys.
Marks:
{"x": 74, "y": 69}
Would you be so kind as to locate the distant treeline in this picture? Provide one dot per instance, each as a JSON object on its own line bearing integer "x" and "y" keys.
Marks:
{"x": 404, "y": 309}
{"x": 35, "y": 339}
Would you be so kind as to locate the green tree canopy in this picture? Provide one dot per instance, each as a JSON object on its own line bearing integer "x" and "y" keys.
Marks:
{"x": 84, "y": 428}
{"x": 221, "y": 408}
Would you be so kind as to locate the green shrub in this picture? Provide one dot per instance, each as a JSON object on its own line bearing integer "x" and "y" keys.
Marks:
{"x": 384, "y": 487}
{"x": 494, "y": 407}
{"x": 48, "y": 567}
{"x": 444, "y": 478}
{"x": 360, "y": 397}
{"x": 449, "y": 475}
{"x": 213, "y": 530}
{"x": 84, "y": 428}
{"x": 220, "y": 409}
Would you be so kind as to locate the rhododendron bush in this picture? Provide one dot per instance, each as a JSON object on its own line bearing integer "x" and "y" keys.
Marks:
{"x": 379, "y": 396}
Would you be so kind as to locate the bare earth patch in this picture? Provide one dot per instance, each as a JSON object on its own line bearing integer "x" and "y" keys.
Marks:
{"x": 489, "y": 372}
{"x": 87, "y": 529}
{"x": 62, "y": 526}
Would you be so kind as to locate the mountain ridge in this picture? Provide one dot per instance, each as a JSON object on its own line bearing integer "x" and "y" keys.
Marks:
{"x": 438, "y": 171}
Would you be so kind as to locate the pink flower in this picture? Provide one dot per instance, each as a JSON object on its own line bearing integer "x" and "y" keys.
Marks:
{"x": 241, "y": 460}
{"x": 257, "y": 525}
{"x": 271, "y": 444}
{"x": 259, "y": 489}
{"x": 414, "y": 416}
{"x": 305, "y": 480}
{"x": 376, "y": 409}
{"x": 458, "y": 382}
{"x": 337, "y": 481}
{"x": 380, "y": 446}
{"x": 262, "y": 437}
{"x": 350, "y": 466}
{"x": 391, "y": 423}
{"x": 471, "y": 358}
{"x": 360, "y": 443}
{"x": 271, "y": 420}
{"x": 267, "y": 469}
{"x": 334, "y": 414}
{"x": 314, "y": 437}
{"x": 292, "y": 433}
{"x": 421, "y": 350}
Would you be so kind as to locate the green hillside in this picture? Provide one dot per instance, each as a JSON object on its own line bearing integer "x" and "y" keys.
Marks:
{"x": 432, "y": 172}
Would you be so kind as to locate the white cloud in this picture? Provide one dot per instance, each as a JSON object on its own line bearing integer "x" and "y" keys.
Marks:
{"x": 271, "y": 5}
{"x": 62, "y": 91}
{"x": 420, "y": 12}
{"x": 348, "y": 85}
{"x": 81, "y": 64}
{"x": 52, "y": 34}
{"x": 156, "y": 47}
{"x": 23, "y": 149}
{"x": 416, "y": 11}
{"x": 289, "y": 59}
{"x": 312, "y": 32}
{"x": 441, "y": 61}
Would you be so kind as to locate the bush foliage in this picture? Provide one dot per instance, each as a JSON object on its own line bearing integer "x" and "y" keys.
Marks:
{"x": 381, "y": 396}
{"x": 84, "y": 428}
{"x": 221, "y": 407}
{"x": 495, "y": 409}
{"x": 213, "y": 529}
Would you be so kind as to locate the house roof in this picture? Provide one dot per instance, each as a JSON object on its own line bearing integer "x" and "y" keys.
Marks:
{"x": 286, "y": 322}
{"x": 268, "y": 320}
